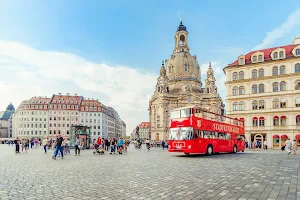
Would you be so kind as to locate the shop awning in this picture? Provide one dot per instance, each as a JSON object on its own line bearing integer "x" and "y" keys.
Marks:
{"x": 283, "y": 117}
{"x": 284, "y": 137}
{"x": 242, "y": 119}
{"x": 298, "y": 116}
{"x": 297, "y": 136}
{"x": 254, "y": 118}
{"x": 261, "y": 118}
{"x": 276, "y": 117}
{"x": 275, "y": 136}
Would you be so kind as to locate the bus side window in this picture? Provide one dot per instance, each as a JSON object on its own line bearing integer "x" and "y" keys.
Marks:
{"x": 228, "y": 136}
{"x": 221, "y": 136}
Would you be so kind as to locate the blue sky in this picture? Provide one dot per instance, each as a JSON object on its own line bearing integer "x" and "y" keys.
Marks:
{"x": 39, "y": 39}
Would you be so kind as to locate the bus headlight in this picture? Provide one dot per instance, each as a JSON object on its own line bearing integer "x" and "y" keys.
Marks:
{"x": 189, "y": 146}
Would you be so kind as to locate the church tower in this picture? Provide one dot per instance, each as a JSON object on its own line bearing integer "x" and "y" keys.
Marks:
{"x": 181, "y": 39}
{"x": 179, "y": 85}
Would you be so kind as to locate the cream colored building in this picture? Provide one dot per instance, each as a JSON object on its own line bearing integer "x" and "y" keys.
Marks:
{"x": 263, "y": 89}
{"x": 179, "y": 85}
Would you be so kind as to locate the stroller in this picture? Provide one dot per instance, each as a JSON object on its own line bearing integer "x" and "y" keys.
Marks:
{"x": 98, "y": 149}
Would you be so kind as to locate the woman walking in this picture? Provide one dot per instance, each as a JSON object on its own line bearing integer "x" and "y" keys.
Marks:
{"x": 294, "y": 147}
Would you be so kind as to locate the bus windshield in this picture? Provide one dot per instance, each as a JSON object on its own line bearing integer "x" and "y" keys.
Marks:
{"x": 183, "y": 133}
{"x": 180, "y": 113}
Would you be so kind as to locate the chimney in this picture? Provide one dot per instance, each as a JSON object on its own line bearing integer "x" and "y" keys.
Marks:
{"x": 92, "y": 98}
{"x": 75, "y": 94}
{"x": 59, "y": 93}
{"x": 68, "y": 94}
{"x": 88, "y": 98}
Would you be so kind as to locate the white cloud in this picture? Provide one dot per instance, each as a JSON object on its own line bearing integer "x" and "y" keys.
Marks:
{"x": 39, "y": 73}
{"x": 280, "y": 31}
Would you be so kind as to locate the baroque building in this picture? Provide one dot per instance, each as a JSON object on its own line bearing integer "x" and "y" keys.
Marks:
{"x": 179, "y": 85}
{"x": 263, "y": 89}
{"x": 6, "y": 122}
{"x": 43, "y": 116}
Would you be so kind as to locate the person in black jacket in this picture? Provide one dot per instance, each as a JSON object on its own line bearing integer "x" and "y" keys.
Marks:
{"x": 17, "y": 142}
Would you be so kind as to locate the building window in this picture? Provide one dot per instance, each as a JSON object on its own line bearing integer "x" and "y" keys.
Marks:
{"x": 242, "y": 105}
{"x": 186, "y": 67}
{"x": 254, "y": 105}
{"x": 241, "y": 75}
{"x": 261, "y": 88}
{"x": 254, "y": 121}
{"x": 254, "y": 58}
{"x": 282, "y": 69}
{"x": 281, "y": 54}
{"x": 241, "y": 61}
{"x": 275, "y": 71}
{"x": 283, "y": 120}
{"x": 275, "y": 55}
{"x": 276, "y": 121}
{"x": 254, "y": 73}
{"x": 297, "y": 85}
{"x": 282, "y": 86}
{"x": 297, "y": 102}
{"x": 297, "y": 67}
{"x": 235, "y": 76}
{"x": 298, "y": 52}
{"x": 261, "y": 121}
{"x": 275, "y": 87}
{"x": 260, "y": 58}
{"x": 275, "y": 103}
{"x": 241, "y": 90}
{"x": 282, "y": 103}
{"x": 254, "y": 89}
{"x": 298, "y": 120}
{"x": 261, "y": 72}
{"x": 235, "y": 91}
{"x": 261, "y": 104}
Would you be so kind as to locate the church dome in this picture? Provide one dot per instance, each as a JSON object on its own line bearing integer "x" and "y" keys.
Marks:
{"x": 181, "y": 27}
{"x": 10, "y": 107}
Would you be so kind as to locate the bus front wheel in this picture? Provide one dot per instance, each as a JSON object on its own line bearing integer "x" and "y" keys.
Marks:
{"x": 187, "y": 154}
{"x": 209, "y": 150}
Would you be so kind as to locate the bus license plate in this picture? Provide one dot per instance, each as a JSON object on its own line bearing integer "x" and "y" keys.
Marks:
{"x": 178, "y": 147}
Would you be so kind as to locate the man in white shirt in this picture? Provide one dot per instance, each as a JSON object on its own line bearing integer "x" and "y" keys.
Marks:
{"x": 265, "y": 145}
{"x": 288, "y": 145}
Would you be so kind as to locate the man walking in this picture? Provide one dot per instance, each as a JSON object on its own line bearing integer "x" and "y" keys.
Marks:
{"x": 288, "y": 145}
{"x": 59, "y": 142}
{"x": 45, "y": 143}
{"x": 265, "y": 145}
{"x": 77, "y": 146}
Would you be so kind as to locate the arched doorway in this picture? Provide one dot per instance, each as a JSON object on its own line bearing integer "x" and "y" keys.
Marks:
{"x": 260, "y": 138}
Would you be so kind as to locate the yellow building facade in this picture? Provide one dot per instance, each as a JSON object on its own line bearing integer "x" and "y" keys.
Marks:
{"x": 263, "y": 89}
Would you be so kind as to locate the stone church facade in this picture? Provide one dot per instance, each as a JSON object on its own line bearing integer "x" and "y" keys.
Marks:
{"x": 179, "y": 85}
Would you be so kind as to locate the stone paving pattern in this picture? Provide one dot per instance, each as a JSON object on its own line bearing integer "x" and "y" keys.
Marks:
{"x": 156, "y": 174}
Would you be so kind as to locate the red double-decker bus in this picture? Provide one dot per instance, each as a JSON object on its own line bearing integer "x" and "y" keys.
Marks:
{"x": 195, "y": 131}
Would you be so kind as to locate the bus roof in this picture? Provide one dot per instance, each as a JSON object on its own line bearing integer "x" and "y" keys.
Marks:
{"x": 193, "y": 106}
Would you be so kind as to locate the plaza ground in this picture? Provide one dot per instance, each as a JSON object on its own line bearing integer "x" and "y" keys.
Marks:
{"x": 156, "y": 174}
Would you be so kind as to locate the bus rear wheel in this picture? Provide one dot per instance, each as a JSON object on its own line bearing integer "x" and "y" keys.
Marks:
{"x": 209, "y": 150}
{"x": 187, "y": 154}
{"x": 234, "y": 149}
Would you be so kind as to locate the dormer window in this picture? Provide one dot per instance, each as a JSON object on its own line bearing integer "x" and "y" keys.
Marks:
{"x": 254, "y": 59}
{"x": 241, "y": 61}
{"x": 297, "y": 52}
{"x": 281, "y": 54}
{"x": 275, "y": 55}
{"x": 260, "y": 58}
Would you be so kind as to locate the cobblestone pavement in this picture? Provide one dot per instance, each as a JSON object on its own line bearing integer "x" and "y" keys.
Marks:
{"x": 140, "y": 174}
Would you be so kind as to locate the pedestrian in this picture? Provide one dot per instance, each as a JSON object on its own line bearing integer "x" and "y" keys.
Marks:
{"x": 45, "y": 143}
{"x": 77, "y": 146}
{"x": 107, "y": 144}
{"x": 256, "y": 145}
{"x": 67, "y": 146}
{"x": 294, "y": 147}
{"x": 288, "y": 145}
{"x": 17, "y": 145}
{"x": 246, "y": 144}
{"x": 120, "y": 145}
{"x": 31, "y": 144}
{"x": 265, "y": 145}
{"x": 23, "y": 145}
{"x": 26, "y": 145}
{"x": 163, "y": 144}
{"x": 59, "y": 143}
{"x": 113, "y": 146}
